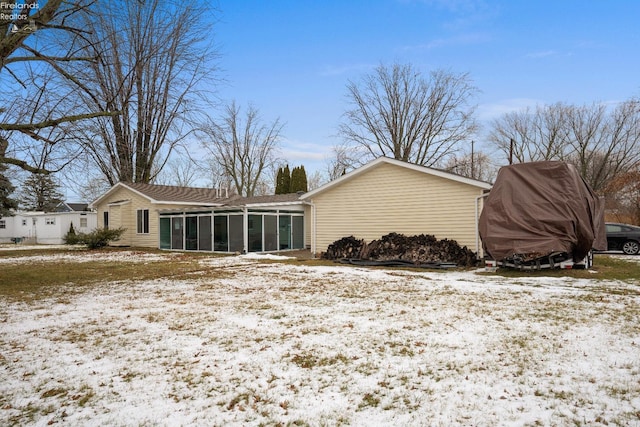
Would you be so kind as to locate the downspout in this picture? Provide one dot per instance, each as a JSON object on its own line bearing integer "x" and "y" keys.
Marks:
{"x": 478, "y": 224}
{"x": 245, "y": 230}
{"x": 313, "y": 228}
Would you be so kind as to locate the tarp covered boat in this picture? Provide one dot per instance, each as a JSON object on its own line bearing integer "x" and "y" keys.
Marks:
{"x": 540, "y": 208}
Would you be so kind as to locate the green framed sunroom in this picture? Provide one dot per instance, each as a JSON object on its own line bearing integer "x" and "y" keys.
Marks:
{"x": 230, "y": 230}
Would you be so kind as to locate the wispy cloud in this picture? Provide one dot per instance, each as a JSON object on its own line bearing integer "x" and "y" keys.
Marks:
{"x": 542, "y": 54}
{"x": 303, "y": 152}
{"x": 338, "y": 70}
{"x": 487, "y": 112}
{"x": 459, "y": 40}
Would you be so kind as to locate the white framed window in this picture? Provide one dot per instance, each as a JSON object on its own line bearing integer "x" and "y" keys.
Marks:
{"x": 143, "y": 221}
{"x": 83, "y": 222}
{"x": 50, "y": 221}
{"x": 3, "y": 224}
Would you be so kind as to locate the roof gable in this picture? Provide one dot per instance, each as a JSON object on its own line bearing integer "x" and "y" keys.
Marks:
{"x": 167, "y": 194}
{"x": 386, "y": 160}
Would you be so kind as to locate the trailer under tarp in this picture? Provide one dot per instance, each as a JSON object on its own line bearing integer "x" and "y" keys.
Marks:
{"x": 540, "y": 208}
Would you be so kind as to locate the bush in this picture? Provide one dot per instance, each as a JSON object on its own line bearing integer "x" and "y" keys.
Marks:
{"x": 98, "y": 238}
{"x": 71, "y": 238}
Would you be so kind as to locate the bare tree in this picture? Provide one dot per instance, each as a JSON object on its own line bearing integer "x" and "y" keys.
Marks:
{"x": 476, "y": 165}
{"x": 600, "y": 141}
{"x": 32, "y": 60}
{"x": 180, "y": 170}
{"x": 344, "y": 159}
{"x": 244, "y": 147}
{"x": 532, "y": 135}
{"x": 604, "y": 144}
{"x": 150, "y": 60}
{"x": 315, "y": 180}
{"x": 398, "y": 112}
{"x": 622, "y": 196}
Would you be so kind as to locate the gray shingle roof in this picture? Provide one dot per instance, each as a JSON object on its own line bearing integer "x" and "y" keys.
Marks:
{"x": 276, "y": 198}
{"x": 174, "y": 194}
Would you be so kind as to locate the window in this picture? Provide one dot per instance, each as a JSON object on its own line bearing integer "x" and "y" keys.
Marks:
{"x": 24, "y": 222}
{"x": 83, "y": 222}
{"x": 50, "y": 221}
{"x": 191, "y": 233}
{"x": 165, "y": 233}
{"x": 204, "y": 233}
{"x": 3, "y": 224}
{"x": 177, "y": 233}
{"x": 255, "y": 233}
{"x": 105, "y": 219}
{"x": 143, "y": 221}
{"x": 613, "y": 228}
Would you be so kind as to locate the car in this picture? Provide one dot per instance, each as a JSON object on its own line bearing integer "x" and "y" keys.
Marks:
{"x": 623, "y": 237}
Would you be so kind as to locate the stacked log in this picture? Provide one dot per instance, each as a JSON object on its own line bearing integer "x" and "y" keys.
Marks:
{"x": 420, "y": 249}
{"x": 347, "y": 247}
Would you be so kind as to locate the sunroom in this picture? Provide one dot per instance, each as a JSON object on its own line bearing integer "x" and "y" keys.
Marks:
{"x": 231, "y": 230}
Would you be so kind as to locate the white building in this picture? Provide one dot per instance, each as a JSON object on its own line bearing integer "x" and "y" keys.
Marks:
{"x": 47, "y": 228}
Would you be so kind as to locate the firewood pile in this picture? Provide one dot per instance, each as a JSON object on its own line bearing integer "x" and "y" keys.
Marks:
{"x": 421, "y": 249}
{"x": 347, "y": 247}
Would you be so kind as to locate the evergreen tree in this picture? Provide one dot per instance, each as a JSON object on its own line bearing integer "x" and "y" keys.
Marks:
{"x": 286, "y": 180}
{"x": 279, "y": 181}
{"x": 298, "y": 180}
{"x": 304, "y": 186}
{"x": 7, "y": 204}
{"x": 41, "y": 193}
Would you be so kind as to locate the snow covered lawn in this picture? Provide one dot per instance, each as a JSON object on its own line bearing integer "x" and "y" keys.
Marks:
{"x": 291, "y": 344}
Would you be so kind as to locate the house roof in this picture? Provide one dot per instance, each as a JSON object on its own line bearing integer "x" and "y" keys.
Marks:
{"x": 276, "y": 199}
{"x": 71, "y": 207}
{"x": 168, "y": 194}
{"x": 386, "y": 160}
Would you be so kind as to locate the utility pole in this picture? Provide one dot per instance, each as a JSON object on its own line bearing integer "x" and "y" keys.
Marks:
{"x": 511, "y": 143}
{"x": 472, "y": 171}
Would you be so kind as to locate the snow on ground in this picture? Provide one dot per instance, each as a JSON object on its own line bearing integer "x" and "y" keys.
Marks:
{"x": 86, "y": 256}
{"x": 276, "y": 344}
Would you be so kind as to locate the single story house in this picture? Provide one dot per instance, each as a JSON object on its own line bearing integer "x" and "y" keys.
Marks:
{"x": 388, "y": 195}
{"x": 381, "y": 197}
{"x": 47, "y": 228}
{"x": 202, "y": 219}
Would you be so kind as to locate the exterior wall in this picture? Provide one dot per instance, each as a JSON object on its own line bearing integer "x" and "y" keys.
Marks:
{"x": 11, "y": 229}
{"x": 123, "y": 213}
{"x": 45, "y": 228}
{"x": 389, "y": 198}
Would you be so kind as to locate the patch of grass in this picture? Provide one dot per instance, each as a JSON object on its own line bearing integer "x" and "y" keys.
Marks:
{"x": 307, "y": 360}
{"x": 605, "y": 267}
{"x": 36, "y": 280}
{"x": 369, "y": 400}
{"x": 54, "y": 392}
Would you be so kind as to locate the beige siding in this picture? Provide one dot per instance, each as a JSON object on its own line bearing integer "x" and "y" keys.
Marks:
{"x": 389, "y": 198}
{"x": 125, "y": 215}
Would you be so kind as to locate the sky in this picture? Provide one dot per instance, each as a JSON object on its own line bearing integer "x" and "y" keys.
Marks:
{"x": 293, "y": 59}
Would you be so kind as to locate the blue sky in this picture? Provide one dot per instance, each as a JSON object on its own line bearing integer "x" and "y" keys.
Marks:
{"x": 293, "y": 59}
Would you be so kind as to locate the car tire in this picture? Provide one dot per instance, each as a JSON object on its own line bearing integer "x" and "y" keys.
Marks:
{"x": 631, "y": 247}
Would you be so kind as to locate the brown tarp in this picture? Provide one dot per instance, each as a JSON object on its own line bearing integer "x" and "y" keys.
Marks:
{"x": 537, "y": 208}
